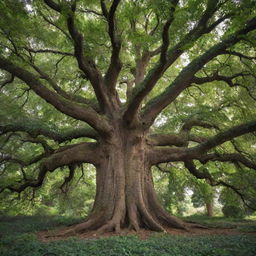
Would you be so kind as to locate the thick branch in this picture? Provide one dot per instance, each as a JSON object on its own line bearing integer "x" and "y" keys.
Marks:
{"x": 185, "y": 78}
{"x": 86, "y": 64}
{"x": 224, "y": 136}
{"x": 84, "y": 152}
{"x": 115, "y": 64}
{"x": 141, "y": 91}
{"x": 166, "y": 140}
{"x": 35, "y": 129}
{"x": 72, "y": 109}
{"x": 158, "y": 155}
{"x": 171, "y": 56}
{"x": 166, "y": 154}
{"x": 53, "y": 5}
{"x": 61, "y": 92}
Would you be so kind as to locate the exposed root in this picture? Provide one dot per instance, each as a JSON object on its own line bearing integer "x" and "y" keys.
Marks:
{"x": 173, "y": 221}
{"x": 149, "y": 220}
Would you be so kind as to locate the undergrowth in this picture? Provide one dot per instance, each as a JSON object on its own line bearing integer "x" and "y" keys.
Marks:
{"x": 18, "y": 239}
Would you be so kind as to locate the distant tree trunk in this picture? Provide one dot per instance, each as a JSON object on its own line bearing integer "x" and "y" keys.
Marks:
{"x": 209, "y": 208}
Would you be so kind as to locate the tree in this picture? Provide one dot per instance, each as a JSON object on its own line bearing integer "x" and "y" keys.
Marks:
{"x": 100, "y": 81}
{"x": 203, "y": 195}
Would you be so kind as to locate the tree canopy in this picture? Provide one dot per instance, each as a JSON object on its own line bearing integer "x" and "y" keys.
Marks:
{"x": 176, "y": 78}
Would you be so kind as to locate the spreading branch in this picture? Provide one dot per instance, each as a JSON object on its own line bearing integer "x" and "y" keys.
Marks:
{"x": 217, "y": 77}
{"x": 224, "y": 136}
{"x": 185, "y": 78}
{"x": 207, "y": 176}
{"x": 35, "y": 129}
{"x": 142, "y": 89}
{"x": 69, "y": 96}
{"x": 167, "y": 59}
{"x": 166, "y": 140}
{"x": 228, "y": 157}
{"x": 79, "y": 153}
{"x": 86, "y": 113}
{"x": 240, "y": 55}
{"x": 86, "y": 64}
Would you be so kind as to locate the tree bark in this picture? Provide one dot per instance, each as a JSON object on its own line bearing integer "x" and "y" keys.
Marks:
{"x": 125, "y": 196}
{"x": 209, "y": 208}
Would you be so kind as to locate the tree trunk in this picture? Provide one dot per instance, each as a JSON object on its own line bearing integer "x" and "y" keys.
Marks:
{"x": 209, "y": 208}
{"x": 125, "y": 196}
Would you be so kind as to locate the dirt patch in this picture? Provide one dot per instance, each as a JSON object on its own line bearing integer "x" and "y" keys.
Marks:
{"x": 53, "y": 235}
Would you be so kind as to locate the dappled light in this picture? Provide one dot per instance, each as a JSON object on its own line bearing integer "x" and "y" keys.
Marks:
{"x": 128, "y": 117}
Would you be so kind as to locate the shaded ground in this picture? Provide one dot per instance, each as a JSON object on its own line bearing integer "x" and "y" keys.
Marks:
{"x": 54, "y": 235}
{"x": 213, "y": 226}
{"x": 19, "y": 236}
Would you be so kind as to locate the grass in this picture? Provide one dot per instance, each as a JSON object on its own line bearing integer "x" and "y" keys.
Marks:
{"x": 18, "y": 239}
{"x": 245, "y": 225}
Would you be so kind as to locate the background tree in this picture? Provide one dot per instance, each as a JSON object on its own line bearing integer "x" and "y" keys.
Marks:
{"x": 126, "y": 85}
{"x": 203, "y": 195}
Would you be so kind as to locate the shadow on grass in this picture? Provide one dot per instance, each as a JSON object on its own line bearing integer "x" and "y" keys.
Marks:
{"x": 19, "y": 239}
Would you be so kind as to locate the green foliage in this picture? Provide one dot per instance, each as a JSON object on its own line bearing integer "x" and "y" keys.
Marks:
{"x": 24, "y": 242}
{"x": 232, "y": 211}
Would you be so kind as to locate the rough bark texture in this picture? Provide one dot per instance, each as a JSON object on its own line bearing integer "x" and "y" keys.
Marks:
{"x": 209, "y": 209}
{"x": 125, "y": 197}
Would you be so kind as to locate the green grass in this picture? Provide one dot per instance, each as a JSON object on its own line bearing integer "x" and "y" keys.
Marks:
{"x": 18, "y": 239}
{"x": 245, "y": 225}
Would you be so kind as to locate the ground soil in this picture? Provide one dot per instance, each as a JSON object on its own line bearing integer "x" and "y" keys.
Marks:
{"x": 47, "y": 236}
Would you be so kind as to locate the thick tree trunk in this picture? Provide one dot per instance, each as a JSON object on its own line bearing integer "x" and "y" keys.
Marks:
{"x": 125, "y": 197}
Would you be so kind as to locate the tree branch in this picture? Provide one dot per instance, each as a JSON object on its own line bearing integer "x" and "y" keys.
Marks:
{"x": 72, "y": 109}
{"x": 217, "y": 77}
{"x": 61, "y": 92}
{"x": 68, "y": 178}
{"x": 206, "y": 175}
{"x": 240, "y": 55}
{"x": 115, "y": 63}
{"x": 191, "y": 122}
{"x": 83, "y": 152}
{"x": 224, "y": 136}
{"x": 35, "y": 129}
{"x": 166, "y": 140}
{"x": 140, "y": 92}
{"x": 231, "y": 157}
{"x": 9, "y": 80}
{"x": 185, "y": 78}
{"x": 142, "y": 89}
{"x": 86, "y": 64}
{"x": 158, "y": 155}
{"x": 49, "y": 51}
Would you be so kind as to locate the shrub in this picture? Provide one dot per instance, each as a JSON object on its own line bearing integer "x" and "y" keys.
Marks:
{"x": 233, "y": 211}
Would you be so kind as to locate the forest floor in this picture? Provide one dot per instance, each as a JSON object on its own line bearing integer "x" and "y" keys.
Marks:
{"x": 34, "y": 235}
{"x": 210, "y": 226}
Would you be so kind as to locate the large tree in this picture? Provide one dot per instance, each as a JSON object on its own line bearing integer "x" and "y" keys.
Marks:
{"x": 134, "y": 84}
